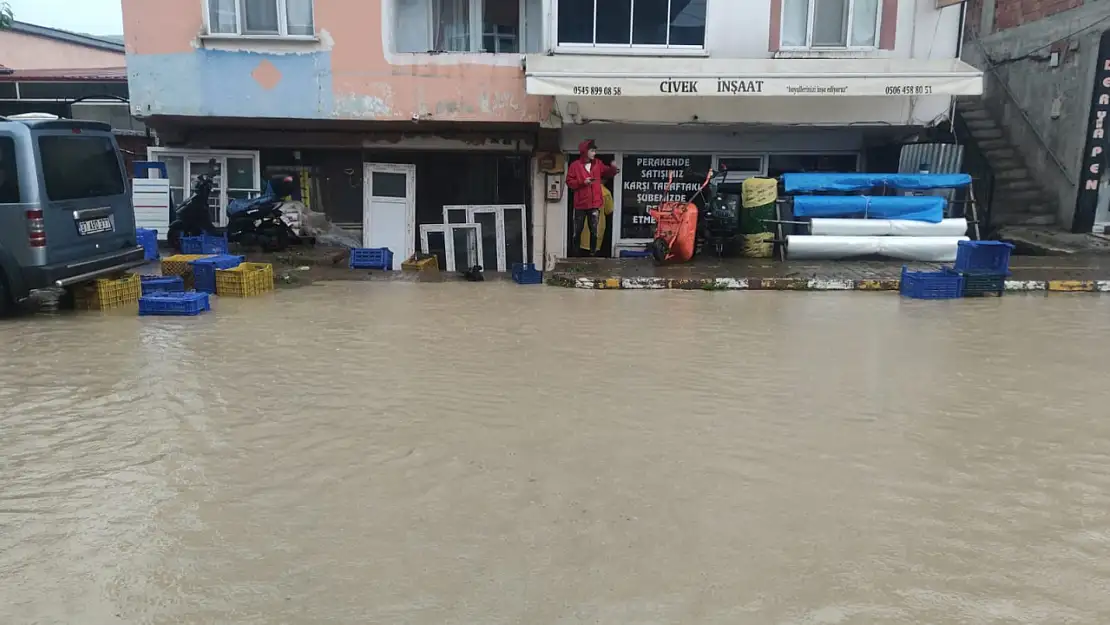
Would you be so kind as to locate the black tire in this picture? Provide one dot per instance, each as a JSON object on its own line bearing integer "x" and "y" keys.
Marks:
{"x": 173, "y": 236}
{"x": 6, "y": 304}
{"x": 276, "y": 240}
{"x": 659, "y": 249}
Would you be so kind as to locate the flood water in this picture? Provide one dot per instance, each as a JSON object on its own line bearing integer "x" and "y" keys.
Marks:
{"x": 464, "y": 454}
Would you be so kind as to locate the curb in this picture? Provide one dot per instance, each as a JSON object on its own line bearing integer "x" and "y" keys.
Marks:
{"x": 799, "y": 284}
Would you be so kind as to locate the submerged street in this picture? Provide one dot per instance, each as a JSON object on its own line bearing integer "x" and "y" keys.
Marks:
{"x": 368, "y": 452}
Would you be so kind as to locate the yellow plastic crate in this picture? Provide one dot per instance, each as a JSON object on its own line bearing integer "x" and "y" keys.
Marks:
{"x": 245, "y": 280}
{"x": 419, "y": 262}
{"x": 178, "y": 265}
{"x": 108, "y": 293}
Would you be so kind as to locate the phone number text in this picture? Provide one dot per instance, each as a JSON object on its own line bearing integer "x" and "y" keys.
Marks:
{"x": 909, "y": 90}
{"x": 595, "y": 90}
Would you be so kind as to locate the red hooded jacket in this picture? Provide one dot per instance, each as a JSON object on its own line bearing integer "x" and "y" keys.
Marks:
{"x": 587, "y": 195}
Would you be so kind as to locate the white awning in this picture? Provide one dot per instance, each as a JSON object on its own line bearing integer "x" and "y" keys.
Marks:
{"x": 605, "y": 76}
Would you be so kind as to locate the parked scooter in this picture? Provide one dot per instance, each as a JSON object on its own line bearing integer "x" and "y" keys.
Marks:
{"x": 258, "y": 221}
{"x": 193, "y": 217}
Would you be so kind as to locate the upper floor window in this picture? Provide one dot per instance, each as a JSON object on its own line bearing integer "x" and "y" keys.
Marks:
{"x": 282, "y": 18}
{"x": 462, "y": 25}
{"x": 632, "y": 23}
{"x": 830, "y": 23}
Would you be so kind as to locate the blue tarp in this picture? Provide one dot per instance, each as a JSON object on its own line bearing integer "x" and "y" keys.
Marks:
{"x": 813, "y": 183}
{"x": 238, "y": 206}
{"x": 915, "y": 208}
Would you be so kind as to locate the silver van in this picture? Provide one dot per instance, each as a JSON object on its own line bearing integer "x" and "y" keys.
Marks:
{"x": 65, "y": 210}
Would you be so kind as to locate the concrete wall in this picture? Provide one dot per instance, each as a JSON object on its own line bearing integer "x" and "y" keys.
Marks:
{"x": 347, "y": 72}
{"x": 353, "y": 72}
{"x": 1019, "y": 38}
{"x": 22, "y": 51}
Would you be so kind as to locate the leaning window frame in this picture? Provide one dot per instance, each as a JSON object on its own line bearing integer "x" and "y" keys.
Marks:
{"x": 241, "y": 33}
{"x": 847, "y": 30}
{"x": 631, "y": 48}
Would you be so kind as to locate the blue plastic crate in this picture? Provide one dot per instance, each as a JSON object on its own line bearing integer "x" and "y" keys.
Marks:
{"x": 371, "y": 258}
{"x": 992, "y": 257}
{"x": 149, "y": 240}
{"x": 204, "y": 270}
{"x": 525, "y": 273}
{"x": 983, "y": 284}
{"x": 162, "y": 284}
{"x": 204, "y": 244}
{"x": 635, "y": 254}
{"x": 945, "y": 284}
{"x": 184, "y": 304}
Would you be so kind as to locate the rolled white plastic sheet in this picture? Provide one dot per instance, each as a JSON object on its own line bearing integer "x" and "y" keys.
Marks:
{"x": 804, "y": 247}
{"x": 824, "y": 226}
{"x": 922, "y": 249}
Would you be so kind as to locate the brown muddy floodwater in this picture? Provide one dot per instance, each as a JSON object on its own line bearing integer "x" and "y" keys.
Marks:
{"x": 358, "y": 453}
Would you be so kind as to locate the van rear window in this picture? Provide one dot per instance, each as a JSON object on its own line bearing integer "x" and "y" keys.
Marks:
{"x": 75, "y": 167}
{"x": 9, "y": 175}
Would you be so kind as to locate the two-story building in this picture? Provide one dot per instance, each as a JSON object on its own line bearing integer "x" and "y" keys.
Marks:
{"x": 761, "y": 88}
{"x": 389, "y": 109}
{"x": 396, "y": 109}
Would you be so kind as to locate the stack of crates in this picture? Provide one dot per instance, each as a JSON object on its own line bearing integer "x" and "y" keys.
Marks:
{"x": 187, "y": 304}
{"x": 204, "y": 270}
{"x": 108, "y": 293}
{"x": 420, "y": 262}
{"x": 526, "y": 273}
{"x": 371, "y": 258}
{"x": 984, "y": 266}
{"x": 245, "y": 280}
{"x": 204, "y": 244}
{"x": 944, "y": 284}
{"x": 181, "y": 265}
{"x": 162, "y": 284}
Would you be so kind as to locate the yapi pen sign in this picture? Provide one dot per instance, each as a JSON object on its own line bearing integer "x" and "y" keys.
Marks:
{"x": 1094, "y": 154}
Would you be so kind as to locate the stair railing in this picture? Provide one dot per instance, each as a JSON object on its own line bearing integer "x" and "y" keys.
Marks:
{"x": 978, "y": 166}
{"x": 992, "y": 69}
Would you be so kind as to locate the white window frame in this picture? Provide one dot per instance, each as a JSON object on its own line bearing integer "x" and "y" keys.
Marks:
{"x": 283, "y": 24}
{"x": 847, "y": 29}
{"x": 221, "y": 156}
{"x": 630, "y": 48}
{"x": 498, "y": 210}
{"x": 477, "y": 36}
{"x": 448, "y": 231}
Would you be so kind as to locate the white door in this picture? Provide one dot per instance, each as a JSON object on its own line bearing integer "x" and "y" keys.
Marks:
{"x": 389, "y": 209}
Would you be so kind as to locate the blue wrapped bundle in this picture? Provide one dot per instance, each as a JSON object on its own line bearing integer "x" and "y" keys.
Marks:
{"x": 815, "y": 183}
{"x": 915, "y": 208}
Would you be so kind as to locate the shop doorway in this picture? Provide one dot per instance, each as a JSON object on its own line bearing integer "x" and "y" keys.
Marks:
{"x": 574, "y": 247}
{"x": 389, "y": 209}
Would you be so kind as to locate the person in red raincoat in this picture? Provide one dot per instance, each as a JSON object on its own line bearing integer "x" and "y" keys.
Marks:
{"x": 584, "y": 178}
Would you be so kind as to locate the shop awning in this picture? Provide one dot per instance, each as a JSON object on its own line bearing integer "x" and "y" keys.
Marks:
{"x": 623, "y": 76}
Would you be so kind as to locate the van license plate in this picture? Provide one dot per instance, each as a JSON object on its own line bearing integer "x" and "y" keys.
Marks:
{"x": 94, "y": 226}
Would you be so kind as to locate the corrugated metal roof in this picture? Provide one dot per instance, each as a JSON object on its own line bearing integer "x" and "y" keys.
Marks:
{"x": 67, "y": 36}
{"x": 941, "y": 158}
{"x": 101, "y": 74}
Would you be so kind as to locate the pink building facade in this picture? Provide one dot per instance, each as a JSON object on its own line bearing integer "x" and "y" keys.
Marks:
{"x": 410, "y": 117}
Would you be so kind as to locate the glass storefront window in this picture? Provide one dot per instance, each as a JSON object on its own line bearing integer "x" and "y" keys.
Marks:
{"x": 779, "y": 164}
{"x": 644, "y": 178}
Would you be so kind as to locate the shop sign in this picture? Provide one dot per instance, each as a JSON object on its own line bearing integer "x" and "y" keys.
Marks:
{"x": 1094, "y": 153}
{"x": 644, "y": 178}
{"x": 768, "y": 85}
